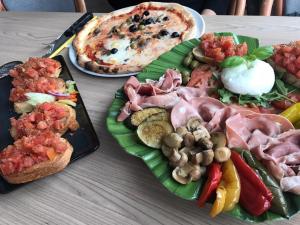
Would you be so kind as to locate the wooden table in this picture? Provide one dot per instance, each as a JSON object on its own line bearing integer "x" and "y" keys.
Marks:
{"x": 109, "y": 186}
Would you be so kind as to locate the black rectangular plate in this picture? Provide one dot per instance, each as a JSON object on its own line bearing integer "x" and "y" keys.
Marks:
{"x": 84, "y": 140}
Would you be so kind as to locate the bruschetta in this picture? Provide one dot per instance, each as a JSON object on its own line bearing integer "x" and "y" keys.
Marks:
{"x": 35, "y": 68}
{"x": 286, "y": 60}
{"x": 53, "y": 117}
{"x": 34, "y": 157}
{"x": 40, "y": 85}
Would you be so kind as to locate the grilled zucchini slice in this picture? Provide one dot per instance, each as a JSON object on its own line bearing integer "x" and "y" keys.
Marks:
{"x": 198, "y": 54}
{"x": 152, "y": 132}
{"x": 138, "y": 117}
{"x": 158, "y": 116}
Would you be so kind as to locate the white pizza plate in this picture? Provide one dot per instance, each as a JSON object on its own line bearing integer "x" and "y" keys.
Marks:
{"x": 72, "y": 55}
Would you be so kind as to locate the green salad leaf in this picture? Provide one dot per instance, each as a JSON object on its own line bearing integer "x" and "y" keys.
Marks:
{"x": 225, "y": 95}
{"x": 261, "y": 53}
{"x": 232, "y": 61}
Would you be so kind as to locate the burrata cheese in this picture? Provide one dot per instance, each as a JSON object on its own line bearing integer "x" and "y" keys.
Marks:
{"x": 254, "y": 78}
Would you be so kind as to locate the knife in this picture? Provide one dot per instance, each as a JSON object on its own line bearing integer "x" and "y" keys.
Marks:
{"x": 67, "y": 37}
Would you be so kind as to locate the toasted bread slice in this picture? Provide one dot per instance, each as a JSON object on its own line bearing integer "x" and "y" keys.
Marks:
{"x": 23, "y": 106}
{"x": 43, "y": 169}
{"x": 69, "y": 122}
{"x": 287, "y": 77}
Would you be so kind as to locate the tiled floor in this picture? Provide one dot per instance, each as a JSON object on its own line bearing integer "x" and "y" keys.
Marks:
{"x": 98, "y": 6}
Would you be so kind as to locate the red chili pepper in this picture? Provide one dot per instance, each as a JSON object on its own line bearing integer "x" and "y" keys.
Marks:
{"x": 213, "y": 180}
{"x": 255, "y": 196}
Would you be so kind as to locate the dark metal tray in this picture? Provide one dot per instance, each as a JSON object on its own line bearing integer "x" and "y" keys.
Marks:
{"x": 84, "y": 140}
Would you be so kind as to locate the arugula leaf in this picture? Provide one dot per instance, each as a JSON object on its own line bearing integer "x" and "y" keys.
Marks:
{"x": 232, "y": 61}
{"x": 263, "y": 53}
{"x": 255, "y": 100}
{"x": 225, "y": 95}
{"x": 281, "y": 87}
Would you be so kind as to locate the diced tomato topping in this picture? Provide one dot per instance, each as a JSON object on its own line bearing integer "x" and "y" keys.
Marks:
{"x": 288, "y": 57}
{"x": 40, "y": 85}
{"x": 47, "y": 116}
{"x": 219, "y": 48}
{"x": 28, "y": 151}
{"x": 35, "y": 68}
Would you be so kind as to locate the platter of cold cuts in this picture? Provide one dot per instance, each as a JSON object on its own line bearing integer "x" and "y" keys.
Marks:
{"x": 217, "y": 121}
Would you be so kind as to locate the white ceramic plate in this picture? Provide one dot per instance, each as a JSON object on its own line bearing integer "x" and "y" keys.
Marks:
{"x": 72, "y": 55}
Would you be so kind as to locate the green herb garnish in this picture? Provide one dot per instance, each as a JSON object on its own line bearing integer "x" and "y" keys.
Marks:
{"x": 261, "y": 53}
{"x": 225, "y": 95}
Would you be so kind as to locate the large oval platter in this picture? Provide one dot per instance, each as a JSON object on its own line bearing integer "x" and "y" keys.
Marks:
{"x": 153, "y": 158}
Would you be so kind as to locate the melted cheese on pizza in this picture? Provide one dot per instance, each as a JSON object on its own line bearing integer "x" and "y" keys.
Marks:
{"x": 123, "y": 52}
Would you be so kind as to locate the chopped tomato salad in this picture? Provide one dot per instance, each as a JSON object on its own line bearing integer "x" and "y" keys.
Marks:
{"x": 220, "y": 47}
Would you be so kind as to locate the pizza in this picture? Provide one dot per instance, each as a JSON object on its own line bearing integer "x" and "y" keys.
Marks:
{"x": 128, "y": 39}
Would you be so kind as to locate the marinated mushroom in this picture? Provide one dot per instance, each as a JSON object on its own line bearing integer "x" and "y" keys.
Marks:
{"x": 181, "y": 131}
{"x": 183, "y": 160}
{"x": 174, "y": 156}
{"x": 205, "y": 143}
{"x": 202, "y": 170}
{"x": 189, "y": 139}
{"x": 181, "y": 174}
{"x": 201, "y": 133}
{"x": 222, "y": 154}
{"x": 186, "y": 150}
{"x": 195, "y": 173}
{"x": 208, "y": 157}
{"x": 166, "y": 150}
{"x": 173, "y": 140}
{"x": 178, "y": 158}
{"x": 197, "y": 158}
{"x": 193, "y": 123}
{"x": 218, "y": 139}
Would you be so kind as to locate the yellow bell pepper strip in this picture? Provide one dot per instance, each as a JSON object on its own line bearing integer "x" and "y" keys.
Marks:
{"x": 212, "y": 182}
{"x": 232, "y": 185}
{"x": 292, "y": 113}
{"x": 219, "y": 203}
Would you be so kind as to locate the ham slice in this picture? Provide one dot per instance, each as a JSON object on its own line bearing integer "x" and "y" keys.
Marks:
{"x": 181, "y": 112}
{"x": 151, "y": 93}
{"x": 291, "y": 184}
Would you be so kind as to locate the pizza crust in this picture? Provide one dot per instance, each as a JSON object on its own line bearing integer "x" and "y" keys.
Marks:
{"x": 81, "y": 39}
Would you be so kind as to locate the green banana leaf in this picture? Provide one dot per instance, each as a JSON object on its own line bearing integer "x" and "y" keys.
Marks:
{"x": 153, "y": 158}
